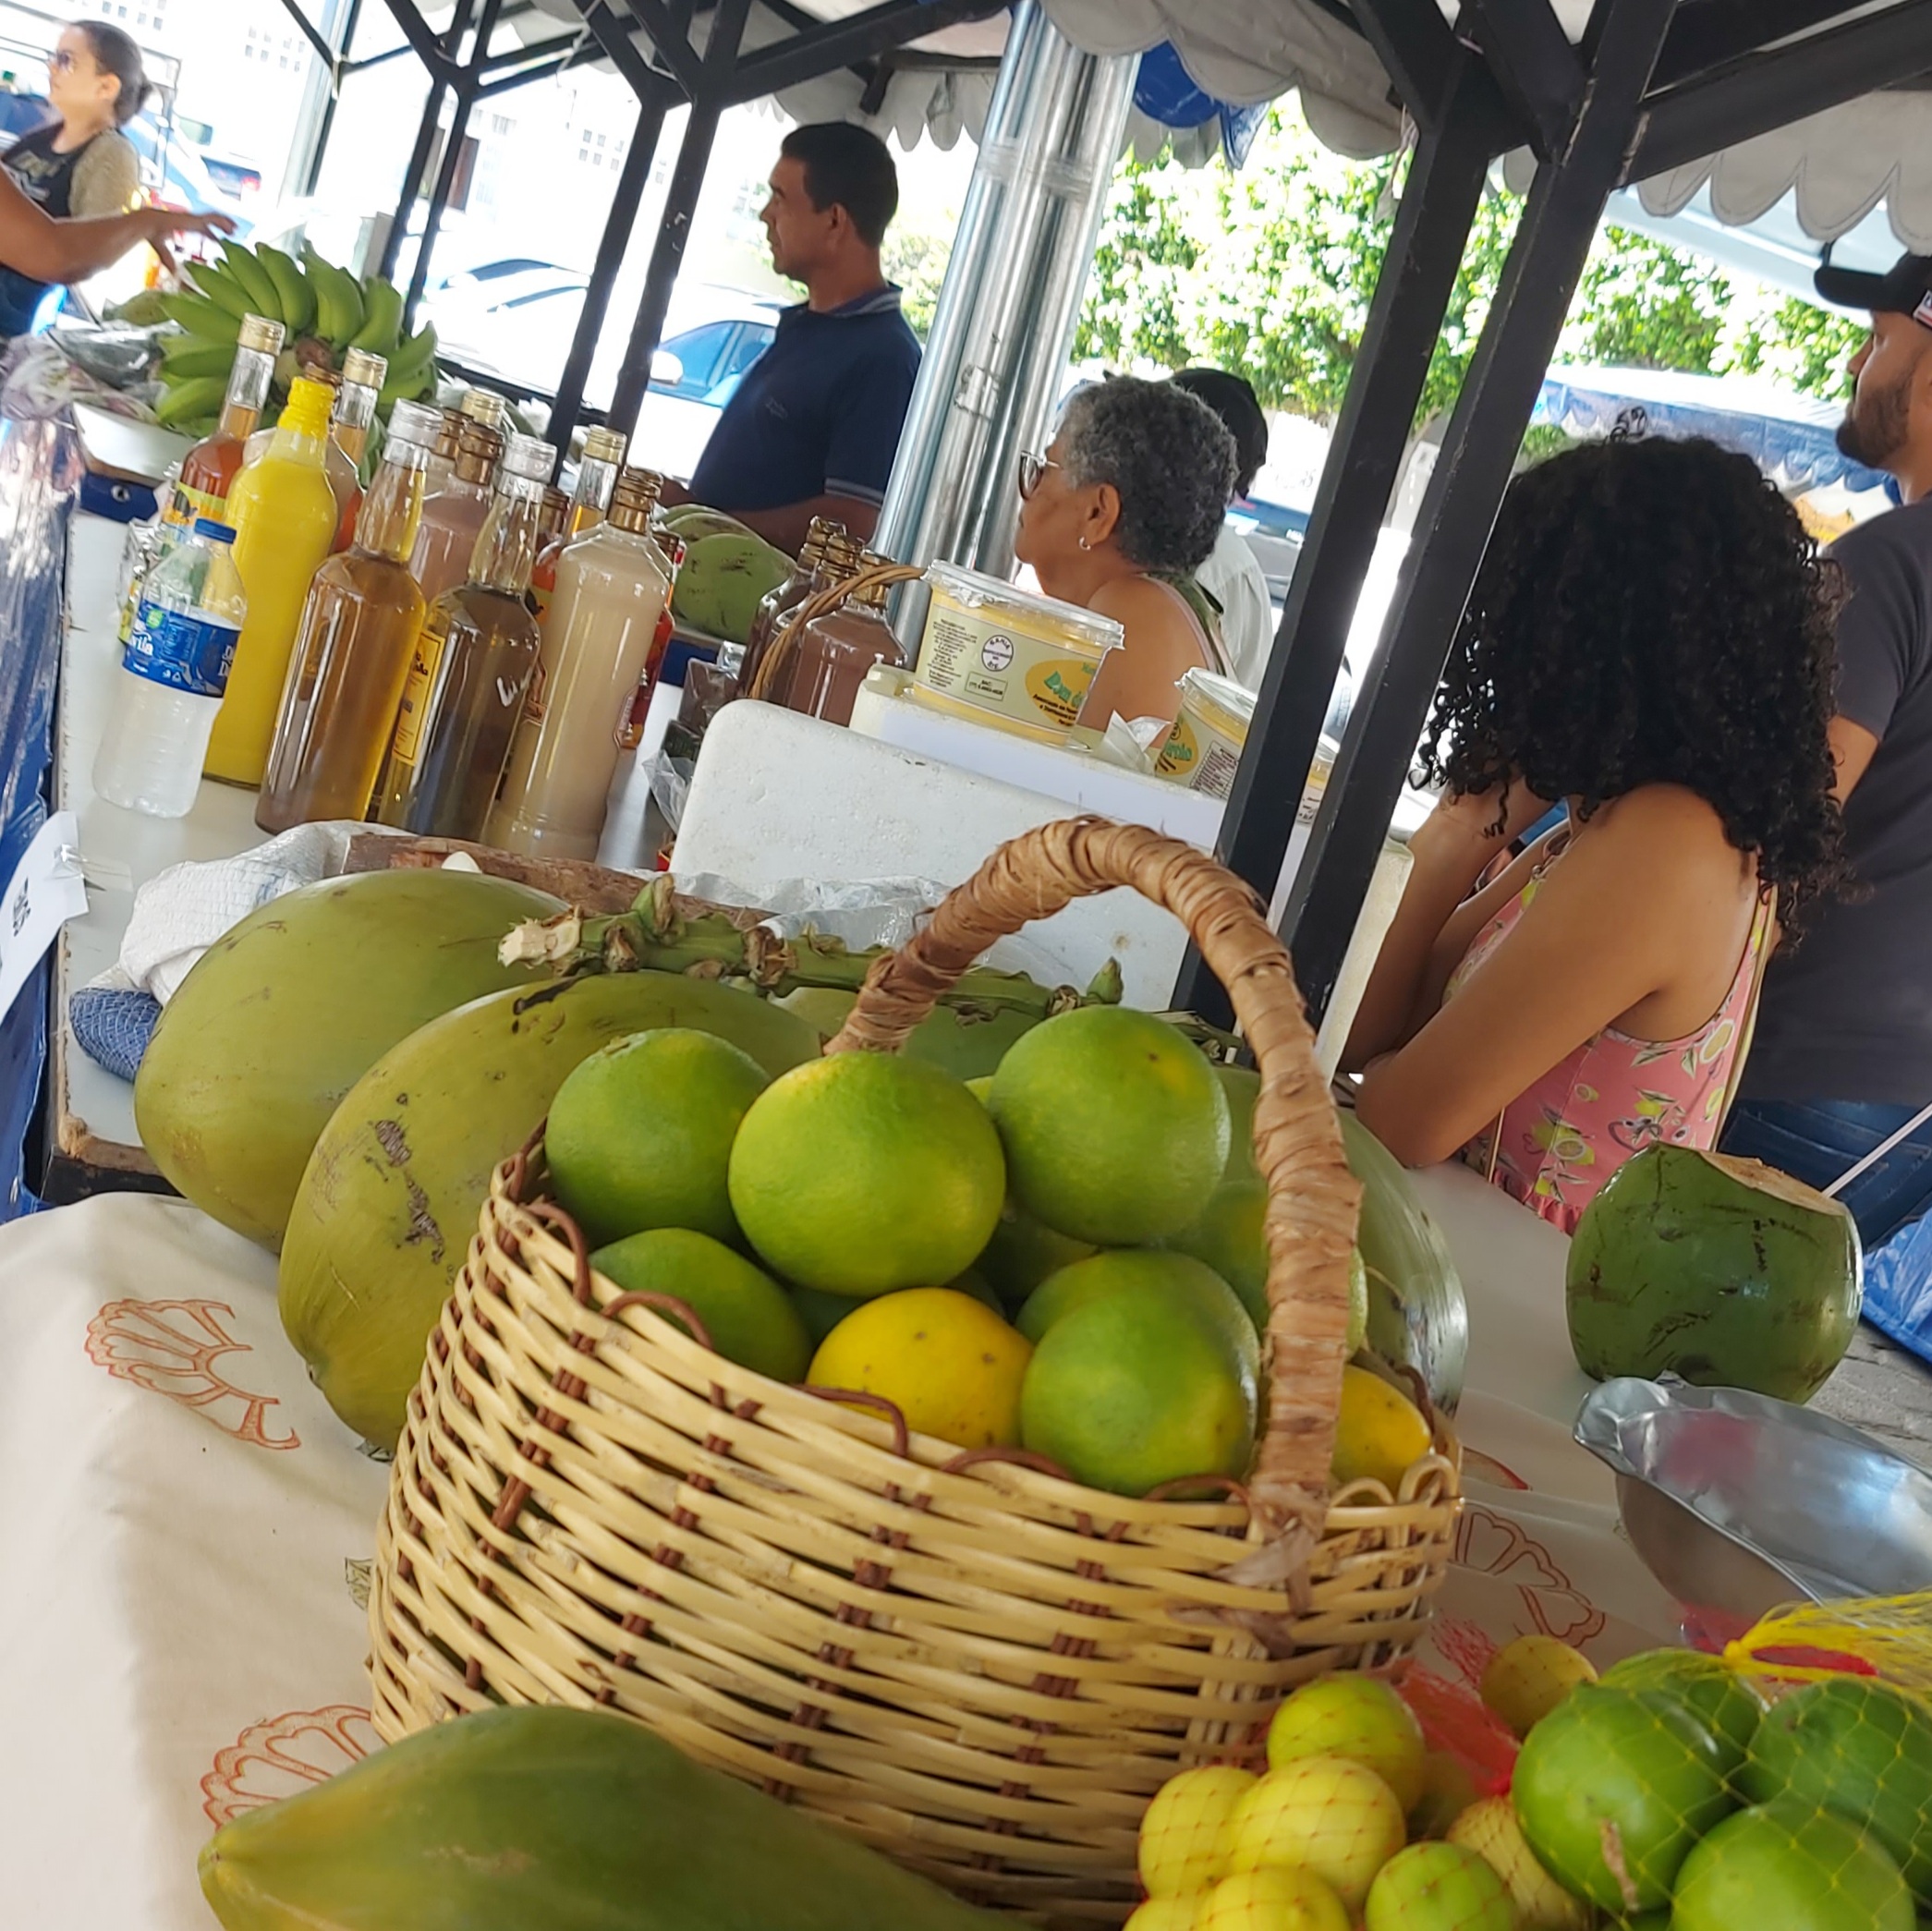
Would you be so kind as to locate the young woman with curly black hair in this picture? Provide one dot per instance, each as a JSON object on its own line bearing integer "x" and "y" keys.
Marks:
{"x": 1649, "y": 640}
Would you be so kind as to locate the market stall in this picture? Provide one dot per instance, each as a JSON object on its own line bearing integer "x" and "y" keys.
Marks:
{"x": 840, "y": 1533}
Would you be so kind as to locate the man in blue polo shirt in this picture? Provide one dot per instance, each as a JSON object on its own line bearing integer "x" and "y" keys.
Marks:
{"x": 814, "y": 424}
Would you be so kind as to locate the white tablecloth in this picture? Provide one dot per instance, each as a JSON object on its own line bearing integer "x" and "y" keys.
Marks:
{"x": 186, "y": 1527}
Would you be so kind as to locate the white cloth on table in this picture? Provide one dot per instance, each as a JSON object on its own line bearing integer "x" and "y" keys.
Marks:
{"x": 188, "y": 1522}
{"x": 1233, "y": 578}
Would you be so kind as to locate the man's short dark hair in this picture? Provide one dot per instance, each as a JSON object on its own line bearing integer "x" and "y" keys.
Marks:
{"x": 851, "y": 167}
{"x": 1236, "y": 405}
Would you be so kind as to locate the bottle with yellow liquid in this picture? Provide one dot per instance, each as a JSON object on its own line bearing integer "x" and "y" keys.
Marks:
{"x": 613, "y": 582}
{"x": 353, "y": 650}
{"x": 471, "y": 669}
{"x": 285, "y": 515}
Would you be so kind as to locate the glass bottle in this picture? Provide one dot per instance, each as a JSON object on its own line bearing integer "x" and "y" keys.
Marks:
{"x": 209, "y": 469}
{"x": 613, "y": 584}
{"x": 172, "y": 677}
{"x": 453, "y": 518}
{"x": 472, "y": 668}
{"x": 841, "y": 557}
{"x": 285, "y": 517}
{"x": 485, "y": 406}
{"x": 364, "y": 374}
{"x": 831, "y": 653}
{"x": 353, "y": 649}
{"x": 596, "y": 477}
{"x": 783, "y": 598}
{"x": 443, "y": 458}
{"x": 344, "y": 478}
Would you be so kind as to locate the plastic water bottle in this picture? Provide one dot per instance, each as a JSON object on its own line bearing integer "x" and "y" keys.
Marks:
{"x": 173, "y": 674}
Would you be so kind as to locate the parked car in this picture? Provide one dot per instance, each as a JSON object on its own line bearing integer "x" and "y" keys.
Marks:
{"x": 515, "y": 328}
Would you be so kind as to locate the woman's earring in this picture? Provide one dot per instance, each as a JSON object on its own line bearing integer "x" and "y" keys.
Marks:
{"x": 1084, "y": 544}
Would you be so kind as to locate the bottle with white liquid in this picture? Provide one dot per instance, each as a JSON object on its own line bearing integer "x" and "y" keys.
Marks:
{"x": 173, "y": 672}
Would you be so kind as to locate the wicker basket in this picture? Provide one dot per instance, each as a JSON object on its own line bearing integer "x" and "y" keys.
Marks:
{"x": 774, "y": 668}
{"x": 979, "y": 1666}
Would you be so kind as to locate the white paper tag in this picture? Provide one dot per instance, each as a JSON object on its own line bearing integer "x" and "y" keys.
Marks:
{"x": 45, "y": 891}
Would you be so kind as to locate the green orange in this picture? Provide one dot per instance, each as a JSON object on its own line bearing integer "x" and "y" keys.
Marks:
{"x": 748, "y": 1317}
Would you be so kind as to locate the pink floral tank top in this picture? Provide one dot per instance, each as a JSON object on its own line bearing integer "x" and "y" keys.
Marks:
{"x": 1563, "y": 1137}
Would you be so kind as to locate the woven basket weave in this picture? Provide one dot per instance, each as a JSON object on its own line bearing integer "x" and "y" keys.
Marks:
{"x": 976, "y": 1666}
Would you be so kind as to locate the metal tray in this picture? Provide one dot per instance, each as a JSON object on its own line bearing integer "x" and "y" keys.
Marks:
{"x": 1739, "y": 1503}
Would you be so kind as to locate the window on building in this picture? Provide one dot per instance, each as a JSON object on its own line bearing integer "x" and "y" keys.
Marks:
{"x": 583, "y": 153}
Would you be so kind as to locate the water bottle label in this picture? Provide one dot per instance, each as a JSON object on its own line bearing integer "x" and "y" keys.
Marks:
{"x": 180, "y": 650}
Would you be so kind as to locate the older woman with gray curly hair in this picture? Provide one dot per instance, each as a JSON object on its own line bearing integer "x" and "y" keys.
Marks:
{"x": 1116, "y": 516}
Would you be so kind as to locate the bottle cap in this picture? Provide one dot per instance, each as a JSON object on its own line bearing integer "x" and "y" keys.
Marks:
{"x": 414, "y": 422}
{"x": 258, "y": 332}
{"x": 603, "y": 445}
{"x": 482, "y": 406}
{"x": 634, "y": 497}
{"x": 364, "y": 370}
{"x": 530, "y": 457}
{"x": 306, "y": 410}
{"x": 215, "y": 532}
{"x": 478, "y": 450}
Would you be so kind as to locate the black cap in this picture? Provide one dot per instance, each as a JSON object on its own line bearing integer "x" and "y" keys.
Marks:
{"x": 1905, "y": 288}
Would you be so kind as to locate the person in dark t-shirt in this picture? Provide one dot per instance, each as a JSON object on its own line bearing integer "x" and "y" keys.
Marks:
{"x": 1843, "y": 1057}
{"x": 812, "y": 428}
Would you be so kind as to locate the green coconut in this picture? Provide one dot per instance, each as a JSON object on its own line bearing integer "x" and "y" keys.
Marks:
{"x": 286, "y": 1011}
{"x": 1724, "y": 1271}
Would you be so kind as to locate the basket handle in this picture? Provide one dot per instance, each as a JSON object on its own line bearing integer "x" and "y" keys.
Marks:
{"x": 1312, "y": 1195}
{"x": 777, "y": 653}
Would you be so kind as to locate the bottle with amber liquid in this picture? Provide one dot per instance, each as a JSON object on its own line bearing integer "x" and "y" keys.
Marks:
{"x": 453, "y": 518}
{"x": 831, "y": 654}
{"x": 353, "y": 648}
{"x": 210, "y": 467}
{"x": 443, "y": 458}
{"x": 472, "y": 668}
{"x": 780, "y": 601}
{"x": 613, "y": 584}
{"x": 596, "y": 477}
{"x": 364, "y": 374}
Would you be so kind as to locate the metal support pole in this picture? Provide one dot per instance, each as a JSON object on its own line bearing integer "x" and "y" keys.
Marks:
{"x": 325, "y": 125}
{"x": 1419, "y": 265}
{"x": 463, "y": 97}
{"x": 618, "y": 226}
{"x": 694, "y": 156}
{"x": 1485, "y": 431}
{"x": 419, "y": 162}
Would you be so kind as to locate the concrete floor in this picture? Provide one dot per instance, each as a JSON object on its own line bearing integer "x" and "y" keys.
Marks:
{"x": 1887, "y": 1392}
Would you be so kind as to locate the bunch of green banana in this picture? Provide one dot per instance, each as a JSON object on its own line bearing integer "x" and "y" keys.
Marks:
{"x": 323, "y": 310}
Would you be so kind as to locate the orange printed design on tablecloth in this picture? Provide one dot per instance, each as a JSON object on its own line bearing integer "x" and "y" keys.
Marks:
{"x": 171, "y": 1348}
{"x": 1486, "y": 1468}
{"x": 282, "y": 1756}
{"x": 1465, "y": 1646}
{"x": 1493, "y": 1545}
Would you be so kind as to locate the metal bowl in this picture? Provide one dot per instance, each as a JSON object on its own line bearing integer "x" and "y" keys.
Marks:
{"x": 1738, "y": 1502}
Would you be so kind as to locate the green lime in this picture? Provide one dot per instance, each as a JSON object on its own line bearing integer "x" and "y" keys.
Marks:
{"x": 1139, "y": 1387}
{"x": 749, "y": 1317}
{"x": 1024, "y": 1251}
{"x": 1115, "y": 1127}
{"x": 639, "y": 1136}
{"x": 1792, "y": 1866}
{"x": 866, "y": 1172}
{"x": 1104, "y": 1274}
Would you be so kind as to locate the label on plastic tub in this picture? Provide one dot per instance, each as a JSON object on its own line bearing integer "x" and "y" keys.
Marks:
{"x": 184, "y": 649}
{"x": 1203, "y": 752}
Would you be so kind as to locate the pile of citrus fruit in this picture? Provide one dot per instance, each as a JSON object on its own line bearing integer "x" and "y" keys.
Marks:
{"x": 1067, "y": 1258}
{"x": 1665, "y": 1796}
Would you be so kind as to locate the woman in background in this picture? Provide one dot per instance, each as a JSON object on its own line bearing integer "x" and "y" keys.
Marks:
{"x": 1650, "y": 640}
{"x": 1116, "y": 516}
{"x": 79, "y": 164}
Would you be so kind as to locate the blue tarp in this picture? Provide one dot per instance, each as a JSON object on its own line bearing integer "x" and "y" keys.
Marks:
{"x": 40, "y": 474}
{"x": 1164, "y": 91}
{"x": 1792, "y": 438}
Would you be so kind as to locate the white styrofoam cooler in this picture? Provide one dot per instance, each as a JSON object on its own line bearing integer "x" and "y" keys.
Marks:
{"x": 777, "y": 796}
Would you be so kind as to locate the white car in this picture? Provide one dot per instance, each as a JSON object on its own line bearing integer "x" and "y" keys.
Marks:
{"x": 518, "y": 328}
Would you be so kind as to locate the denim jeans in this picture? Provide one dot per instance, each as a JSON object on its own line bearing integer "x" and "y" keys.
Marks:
{"x": 1815, "y": 1140}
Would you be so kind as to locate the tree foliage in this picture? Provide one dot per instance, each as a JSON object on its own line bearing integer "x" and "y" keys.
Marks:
{"x": 1269, "y": 272}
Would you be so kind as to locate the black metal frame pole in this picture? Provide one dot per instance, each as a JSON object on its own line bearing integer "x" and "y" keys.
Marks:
{"x": 1538, "y": 280}
{"x": 1419, "y": 265}
{"x": 434, "y": 55}
{"x": 694, "y": 156}
{"x": 463, "y": 95}
{"x": 618, "y": 223}
{"x": 311, "y": 175}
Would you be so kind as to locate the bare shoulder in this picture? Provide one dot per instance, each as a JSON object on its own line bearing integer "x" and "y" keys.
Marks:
{"x": 1134, "y": 600}
{"x": 1666, "y": 835}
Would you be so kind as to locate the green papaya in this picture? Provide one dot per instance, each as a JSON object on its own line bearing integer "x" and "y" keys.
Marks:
{"x": 391, "y": 1195}
{"x": 285, "y": 1011}
{"x": 1417, "y": 1317}
{"x": 550, "y": 1819}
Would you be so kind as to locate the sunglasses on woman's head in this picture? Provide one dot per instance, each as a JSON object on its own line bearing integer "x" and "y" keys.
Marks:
{"x": 1033, "y": 469}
